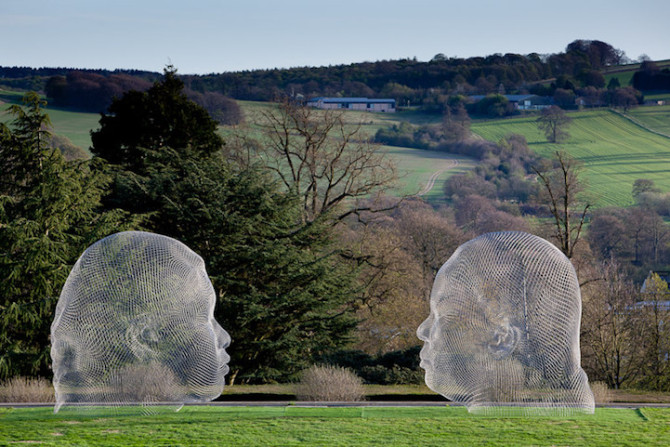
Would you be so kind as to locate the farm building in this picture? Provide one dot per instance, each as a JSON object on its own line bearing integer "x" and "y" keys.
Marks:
{"x": 522, "y": 102}
{"x": 370, "y": 105}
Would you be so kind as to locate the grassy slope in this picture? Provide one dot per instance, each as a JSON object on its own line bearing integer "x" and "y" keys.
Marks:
{"x": 415, "y": 166}
{"x": 625, "y": 72}
{"x": 614, "y": 150}
{"x": 356, "y": 426}
{"x": 76, "y": 126}
{"x": 656, "y": 118}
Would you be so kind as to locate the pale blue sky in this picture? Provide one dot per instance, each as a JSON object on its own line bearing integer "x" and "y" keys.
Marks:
{"x": 213, "y": 36}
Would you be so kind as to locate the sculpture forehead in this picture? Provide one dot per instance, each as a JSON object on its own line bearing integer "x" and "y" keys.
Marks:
{"x": 138, "y": 268}
{"x": 504, "y": 264}
{"x": 136, "y": 250}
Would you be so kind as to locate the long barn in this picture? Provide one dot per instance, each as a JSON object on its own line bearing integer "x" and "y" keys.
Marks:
{"x": 370, "y": 105}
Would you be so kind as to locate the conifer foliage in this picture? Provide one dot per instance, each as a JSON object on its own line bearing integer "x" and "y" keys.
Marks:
{"x": 48, "y": 213}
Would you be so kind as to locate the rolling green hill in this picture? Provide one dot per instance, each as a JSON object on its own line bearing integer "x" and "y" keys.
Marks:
{"x": 615, "y": 150}
{"x": 415, "y": 166}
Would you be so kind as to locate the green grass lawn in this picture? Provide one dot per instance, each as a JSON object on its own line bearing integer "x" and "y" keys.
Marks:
{"x": 343, "y": 426}
{"x": 614, "y": 150}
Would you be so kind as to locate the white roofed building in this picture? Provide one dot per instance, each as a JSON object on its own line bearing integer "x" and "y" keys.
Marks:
{"x": 364, "y": 104}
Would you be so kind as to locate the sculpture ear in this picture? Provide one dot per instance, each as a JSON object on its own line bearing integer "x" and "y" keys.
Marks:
{"x": 503, "y": 341}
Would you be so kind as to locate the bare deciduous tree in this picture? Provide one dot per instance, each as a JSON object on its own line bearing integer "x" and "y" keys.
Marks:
{"x": 612, "y": 335}
{"x": 562, "y": 190}
{"x": 553, "y": 122}
{"x": 324, "y": 160}
{"x": 655, "y": 314}
{"x": 429, "y": 237}
{"x": 392, "y": 303}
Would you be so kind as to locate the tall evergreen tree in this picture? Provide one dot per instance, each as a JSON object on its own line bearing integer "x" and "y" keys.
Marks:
{"x": 281, "y": 295}
{"x": 159, "y": 118}
{"x": 48, "y": 214}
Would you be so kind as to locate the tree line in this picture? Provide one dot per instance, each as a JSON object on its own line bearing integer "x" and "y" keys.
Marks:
{"x": 563, "y": 76}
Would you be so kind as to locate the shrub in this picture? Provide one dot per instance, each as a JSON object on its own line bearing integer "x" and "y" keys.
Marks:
{"x": 601, "y": 392}
{"x": 150, "y": 383}
{"x": 392, "y": 368}
{"x": 26, "y": 389}
{"x": 329, "y": 383}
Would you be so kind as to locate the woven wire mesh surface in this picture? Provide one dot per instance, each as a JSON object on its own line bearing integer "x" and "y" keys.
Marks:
{"x": 503, "y": 332}
{"x": 135, "y": 325}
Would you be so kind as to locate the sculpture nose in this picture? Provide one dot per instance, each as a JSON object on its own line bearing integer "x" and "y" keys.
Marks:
{"x": 423, "y": 331}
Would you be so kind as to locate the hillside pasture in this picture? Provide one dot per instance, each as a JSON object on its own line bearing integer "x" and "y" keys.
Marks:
{"x": 76, "y": 126}
{"x": 656, "y": 118}
{"x": 614, "y": 150}
{"x": 417, "y": 168}
{"x": 333, "y": 426}
{"x": 624, "y": 73}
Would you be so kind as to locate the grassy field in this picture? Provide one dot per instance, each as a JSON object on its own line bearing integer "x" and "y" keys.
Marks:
{"x": 615, "y": 151}
{"x": 415, "y": 166}
{"x": 76, "y": 126}
{"x": 656, "y": 118}
{"x": 624, "y": 73}
{"x": 335, "y": 426}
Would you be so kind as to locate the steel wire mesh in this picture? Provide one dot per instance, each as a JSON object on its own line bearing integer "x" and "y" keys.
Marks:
{"x": 503, "y": 333}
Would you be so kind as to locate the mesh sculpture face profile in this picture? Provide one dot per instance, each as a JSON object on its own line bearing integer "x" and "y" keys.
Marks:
{"x": 135, "y": 325}
{"x": 503, "y": 332}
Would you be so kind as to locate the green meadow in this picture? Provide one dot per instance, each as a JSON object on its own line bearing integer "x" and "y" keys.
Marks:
{"x": 615, "y": 151}
{"x": 415, "y": 167}
{"x": 334, "y": 426}
{"x": 76, "y": 126}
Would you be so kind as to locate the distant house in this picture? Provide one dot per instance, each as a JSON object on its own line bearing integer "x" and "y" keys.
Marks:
{"x": 369, "y": 105}
{"x": 663, "y": 275}
{"x": 523, "y": 102}
{"x": 647, "y": 291}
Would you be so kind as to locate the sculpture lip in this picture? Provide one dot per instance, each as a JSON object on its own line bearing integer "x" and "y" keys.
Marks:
{"x": 424, "y": 361}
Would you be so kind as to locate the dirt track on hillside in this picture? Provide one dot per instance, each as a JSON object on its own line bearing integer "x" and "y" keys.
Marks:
{"x": 431, "y": 181}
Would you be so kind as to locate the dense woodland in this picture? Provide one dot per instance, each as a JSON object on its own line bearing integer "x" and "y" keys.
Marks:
{"x": 311, "y": 261}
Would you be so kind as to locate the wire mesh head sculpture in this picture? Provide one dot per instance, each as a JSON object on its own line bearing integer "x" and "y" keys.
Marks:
{"x": 135, "y": 325}
{"x": 503, "y": 332}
